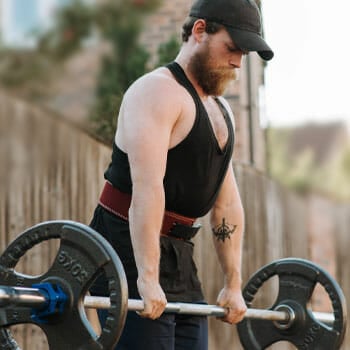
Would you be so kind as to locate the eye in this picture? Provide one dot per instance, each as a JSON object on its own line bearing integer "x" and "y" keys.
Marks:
{"x": 232, "y": 49}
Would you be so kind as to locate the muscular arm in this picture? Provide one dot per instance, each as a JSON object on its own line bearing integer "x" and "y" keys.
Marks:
{"x": 227, "y": 222}
{"x": 148, "y": 115}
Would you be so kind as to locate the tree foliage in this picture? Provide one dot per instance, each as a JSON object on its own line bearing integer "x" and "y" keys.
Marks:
{"x": 18, "y": 67}
{"x": 300, "y": 172}
{"x": 72, "y": 24}
{"x": 120, "y": 23}
{"x": 334, "y": 178}
{"x": 117, "y": 22}
{"x": 168, "y": 51}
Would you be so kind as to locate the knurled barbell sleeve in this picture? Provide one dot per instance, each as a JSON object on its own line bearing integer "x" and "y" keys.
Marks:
{"x": 19, "y": 296}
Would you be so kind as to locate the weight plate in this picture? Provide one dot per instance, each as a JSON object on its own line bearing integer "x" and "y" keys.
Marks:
{"x": 83, "y": 255}
{"x": 297, "y": 281}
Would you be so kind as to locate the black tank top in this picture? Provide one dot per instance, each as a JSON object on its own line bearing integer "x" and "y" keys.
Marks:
{"x": 195, "y": 167}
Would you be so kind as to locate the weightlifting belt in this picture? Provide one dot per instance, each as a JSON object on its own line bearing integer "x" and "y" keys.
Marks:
{"x": 174, "y": 225}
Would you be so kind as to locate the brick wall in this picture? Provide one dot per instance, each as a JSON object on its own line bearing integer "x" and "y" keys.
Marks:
{"x": 164, "y": 23}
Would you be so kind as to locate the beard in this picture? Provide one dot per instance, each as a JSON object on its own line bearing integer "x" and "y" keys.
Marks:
{"x": 213, "y": 80}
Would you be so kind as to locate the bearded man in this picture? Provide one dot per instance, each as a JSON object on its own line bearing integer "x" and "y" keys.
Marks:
{"x": 171, "y": 164}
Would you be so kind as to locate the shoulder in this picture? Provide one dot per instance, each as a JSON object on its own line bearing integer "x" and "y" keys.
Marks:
{"x": 158, "y": 85}
{"x": 155, "y": 97}
{"x": 152, "y": 100}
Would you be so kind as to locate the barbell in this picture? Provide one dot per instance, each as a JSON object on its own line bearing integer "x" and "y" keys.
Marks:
{"x": 39, "y": 298}
{"x": 55, "y": 300}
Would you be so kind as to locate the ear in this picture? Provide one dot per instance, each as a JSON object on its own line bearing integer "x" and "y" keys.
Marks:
{"x": 198, "y": 30}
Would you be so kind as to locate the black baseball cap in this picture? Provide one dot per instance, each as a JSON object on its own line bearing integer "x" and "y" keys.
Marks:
{"x": 241, "y": 19}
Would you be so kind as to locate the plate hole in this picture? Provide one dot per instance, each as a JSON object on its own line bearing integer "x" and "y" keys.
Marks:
{"x": 282, "y": 345}
{"x": 321, "y": 302}
{"x": 37, "y": 260}
{"x": 267, "y": 294}
{"x": 29, "y": 335}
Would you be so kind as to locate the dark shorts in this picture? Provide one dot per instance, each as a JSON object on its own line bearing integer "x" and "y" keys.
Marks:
{"x": 178, "y": 278}
{"x": 178, "y": 273}
{"x": 169, "y": 332}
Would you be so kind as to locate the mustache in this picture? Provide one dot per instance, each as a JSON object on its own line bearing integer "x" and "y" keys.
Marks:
{"x": 224, "y": 73}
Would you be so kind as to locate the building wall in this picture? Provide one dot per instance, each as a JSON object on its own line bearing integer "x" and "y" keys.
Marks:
{"x": 243, "y": 95}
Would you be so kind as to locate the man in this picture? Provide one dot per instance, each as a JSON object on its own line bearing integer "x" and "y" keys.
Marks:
{"x": 171, "y": 164}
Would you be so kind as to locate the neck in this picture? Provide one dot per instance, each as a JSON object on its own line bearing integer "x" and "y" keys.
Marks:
{"x": 183, "y": 59}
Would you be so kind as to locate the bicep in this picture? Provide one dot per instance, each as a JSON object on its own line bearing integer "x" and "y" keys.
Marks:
{"x": 147, "y": 125}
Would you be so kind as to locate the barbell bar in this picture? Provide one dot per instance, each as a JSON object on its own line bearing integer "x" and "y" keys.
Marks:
{"x": 34, "y": 298}
{"x": 285, "y": 316}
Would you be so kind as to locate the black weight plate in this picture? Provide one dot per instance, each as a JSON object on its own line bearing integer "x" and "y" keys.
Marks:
{"x": 297, "y": 281}
{"x": 82, "y": 256}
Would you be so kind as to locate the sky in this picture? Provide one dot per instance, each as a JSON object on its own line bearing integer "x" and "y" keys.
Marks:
{"x": 29, "y": 15}
{"x": 309, "y": 77}
{"x": 26, "y": 19}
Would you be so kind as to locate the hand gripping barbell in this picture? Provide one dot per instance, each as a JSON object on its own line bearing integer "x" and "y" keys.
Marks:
{"x": 55, "y": 301}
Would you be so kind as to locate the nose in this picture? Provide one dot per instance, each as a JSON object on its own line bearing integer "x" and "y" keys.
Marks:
{"x": 236, "y": 59}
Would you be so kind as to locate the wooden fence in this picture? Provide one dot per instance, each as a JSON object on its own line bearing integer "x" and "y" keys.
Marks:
{"x": 50, "y": 170}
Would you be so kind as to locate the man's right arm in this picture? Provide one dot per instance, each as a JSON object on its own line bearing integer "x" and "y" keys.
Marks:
{"x": 148, "y": 115}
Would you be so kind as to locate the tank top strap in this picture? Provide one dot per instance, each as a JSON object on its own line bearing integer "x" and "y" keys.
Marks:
{"x": 182, "y": 79}
{"x": 229, "y": 123}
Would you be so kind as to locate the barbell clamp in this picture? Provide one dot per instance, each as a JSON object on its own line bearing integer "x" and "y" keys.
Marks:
{"x": 55, "y": 299}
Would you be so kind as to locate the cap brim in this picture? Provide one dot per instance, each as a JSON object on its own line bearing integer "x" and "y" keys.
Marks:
{"x": 250, "y": 41}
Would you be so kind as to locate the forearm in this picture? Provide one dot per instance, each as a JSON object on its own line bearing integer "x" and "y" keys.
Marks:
{"x": 227, "y": 222}
{"x": 145, "y": 217}
{"x": 227, "y": 225}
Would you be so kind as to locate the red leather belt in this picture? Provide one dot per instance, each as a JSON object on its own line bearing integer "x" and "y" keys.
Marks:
{"x": 118, "y": 203}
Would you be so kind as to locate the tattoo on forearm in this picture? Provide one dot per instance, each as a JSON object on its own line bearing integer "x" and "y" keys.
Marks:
{"x": 224, "y": 230}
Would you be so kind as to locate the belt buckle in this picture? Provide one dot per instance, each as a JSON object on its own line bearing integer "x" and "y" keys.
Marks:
{"x": 184, "y": 232}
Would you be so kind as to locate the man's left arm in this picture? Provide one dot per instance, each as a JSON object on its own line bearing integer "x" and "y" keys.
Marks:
{"x": 227, "y": 224}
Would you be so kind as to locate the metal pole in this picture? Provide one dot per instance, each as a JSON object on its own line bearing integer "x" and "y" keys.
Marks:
{"x": 19, "y": 296}
{"x": 32, "y": 297}
{"x": 206, "y": 310}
